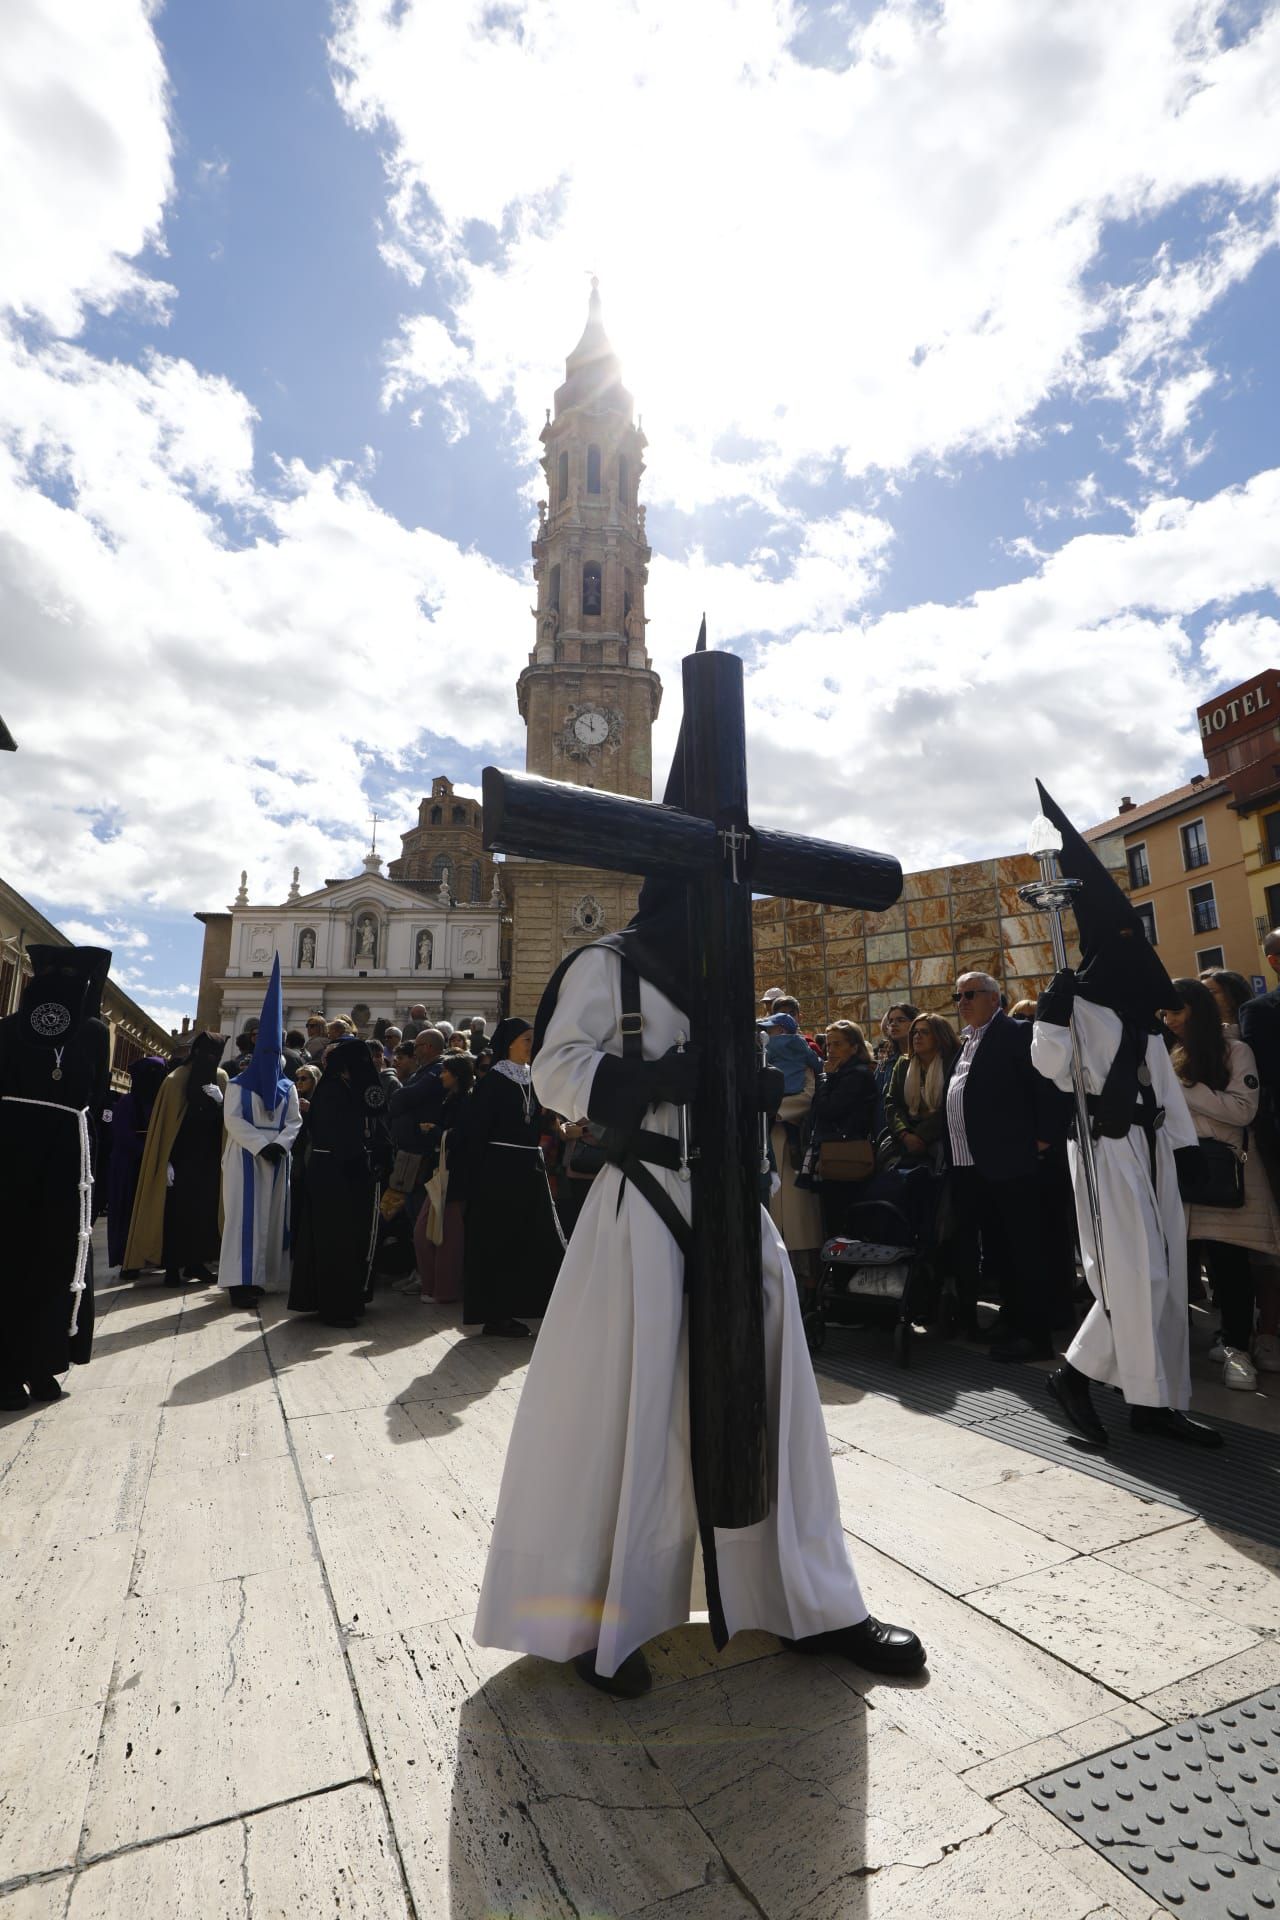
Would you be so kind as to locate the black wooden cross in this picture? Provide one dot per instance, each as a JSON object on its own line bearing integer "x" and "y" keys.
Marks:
{"x": 725, "y": 860}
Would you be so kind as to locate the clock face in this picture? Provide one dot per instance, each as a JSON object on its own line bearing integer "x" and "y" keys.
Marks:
{"x": 591, "y": 727}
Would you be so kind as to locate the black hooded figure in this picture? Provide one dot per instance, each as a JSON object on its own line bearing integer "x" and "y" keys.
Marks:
{"x": 54, "y": 1080}
{"x": 1135, "y": 1335}
{"x": 596, "y": 1529}
{"x": 513, "y": 1245}
{"x": 339, "y": 1161}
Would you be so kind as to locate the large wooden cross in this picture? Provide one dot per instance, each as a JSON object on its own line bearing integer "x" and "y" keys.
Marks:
{"x": 724, "y": 859}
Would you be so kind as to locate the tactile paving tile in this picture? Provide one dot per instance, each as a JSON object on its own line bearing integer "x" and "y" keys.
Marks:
{"x": 1191, "y": 1814}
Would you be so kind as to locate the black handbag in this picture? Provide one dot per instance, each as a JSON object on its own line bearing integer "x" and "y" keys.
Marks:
{"x": 1221, "y": 1181}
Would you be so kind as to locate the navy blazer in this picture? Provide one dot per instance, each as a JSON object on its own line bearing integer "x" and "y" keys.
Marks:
{"x": 1008, "y": 1106}
{"x": 1260, "y": 1029}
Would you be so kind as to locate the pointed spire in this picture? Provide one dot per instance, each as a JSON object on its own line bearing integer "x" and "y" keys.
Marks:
{"x": 594, "y": 344}
{"x": 702, "y": 636}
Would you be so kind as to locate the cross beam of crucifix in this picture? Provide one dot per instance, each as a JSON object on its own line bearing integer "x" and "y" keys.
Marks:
{"x": 711, "y": 845}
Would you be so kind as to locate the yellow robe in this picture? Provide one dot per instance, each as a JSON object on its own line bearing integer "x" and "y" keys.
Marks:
{"x": 146, "y": 1227}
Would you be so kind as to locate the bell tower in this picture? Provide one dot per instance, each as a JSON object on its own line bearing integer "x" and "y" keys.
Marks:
{"x": 588, "y": 696}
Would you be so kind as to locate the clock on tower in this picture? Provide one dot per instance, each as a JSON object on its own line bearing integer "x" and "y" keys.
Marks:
{"x": 588, "y": 695}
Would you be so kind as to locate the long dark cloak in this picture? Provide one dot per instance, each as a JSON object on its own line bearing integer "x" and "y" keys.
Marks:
{"x": 339, "y": 1160}
{"x": 40, "y": 1195}
{"x": 513, "y": 1245}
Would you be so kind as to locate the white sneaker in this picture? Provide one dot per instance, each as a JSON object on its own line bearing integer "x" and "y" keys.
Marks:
{"x": 1238, "y": 1371}
{"x": 1217, "y": 1352}
{"x": 1266, "y": 1352}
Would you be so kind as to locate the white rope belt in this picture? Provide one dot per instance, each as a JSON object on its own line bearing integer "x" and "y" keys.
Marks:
{"x": 514, "y": 1146}
{"x": 85, "y": 1233}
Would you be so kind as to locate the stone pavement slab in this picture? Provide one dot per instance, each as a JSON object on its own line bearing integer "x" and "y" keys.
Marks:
{"x": 1125, "y": 1632}
{"x": 45, "y": 1769}
{"x": 60, "y": 1608}
{"x": 1222, "y": 1571}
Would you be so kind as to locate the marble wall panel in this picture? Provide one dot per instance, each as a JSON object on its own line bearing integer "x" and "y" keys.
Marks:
{"x": 922, "y": 886}
{"x": 804, "y": 955}
{"x": 767, "y": 913}
{"x": 928, "y": 940}
{"x": 842, "y": 923}
{"x": 936, "y": 999}
{"x": 842, "y": 981}
{"x": 804, "y": 925}
{"x": 1013, "y": 869}
{"x": 1022, "y": 930}
{"x": 932, "y": 912}
{"x": 982, "y": 960}
{"x": 886, "y": 946}
{"x": 936, "y": 972}
{"x": 767, "y": 935}
{"x": 1029, "y": 960}
{"x": 890, "y": 921}
{"x": 972, "y": 934}
{"x": 889, "y": 977}
{"x": 978, "y": 873}
{"x": 848, "y": 949}
{"x": 973, "y": 903}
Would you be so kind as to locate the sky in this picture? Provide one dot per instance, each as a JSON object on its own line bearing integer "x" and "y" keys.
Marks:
{"x": 952, "y": 324}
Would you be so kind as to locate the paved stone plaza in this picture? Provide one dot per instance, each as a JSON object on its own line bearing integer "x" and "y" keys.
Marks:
{"x": 240, "y": 1562}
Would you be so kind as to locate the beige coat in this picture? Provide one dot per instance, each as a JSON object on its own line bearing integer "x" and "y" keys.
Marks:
{"x": 795, "y": 1213}
{"x": 1225, "y": 1116}
{"x": 146, "y": 1228}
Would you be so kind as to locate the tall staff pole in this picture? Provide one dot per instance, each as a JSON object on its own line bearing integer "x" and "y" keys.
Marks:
{"x": 1052, "y": 894}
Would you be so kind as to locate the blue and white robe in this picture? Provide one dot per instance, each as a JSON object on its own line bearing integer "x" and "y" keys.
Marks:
{"x": 255, "y": 1193}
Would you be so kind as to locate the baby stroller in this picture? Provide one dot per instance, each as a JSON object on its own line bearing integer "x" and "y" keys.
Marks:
{"x": 879, "y": 1272}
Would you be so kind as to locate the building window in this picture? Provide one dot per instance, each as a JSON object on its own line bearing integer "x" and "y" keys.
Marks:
{"x": 441, "y": 865}
{"x": 1139, "y": 871}
{"x": 1147, "y": 915}
{"x": 1208, "y": 957}
{"x": 1204, "y": 908}
{"x": 553, "y": 588}
{"x": 592, "y": 589}
{"x": 1271, "y": 828}
{"x": 593, "y": 469}
{"x": 562, "y": 480}
{"x": 624, "y": 481}
{"x": 1195, "y": 847}
{"x": 1273, "y": 911}
{"x": 459, "y": 816}
{"x": 437, "y": 816}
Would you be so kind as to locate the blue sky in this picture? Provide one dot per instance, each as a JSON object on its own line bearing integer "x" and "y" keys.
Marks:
{"x": 952, "y": 329}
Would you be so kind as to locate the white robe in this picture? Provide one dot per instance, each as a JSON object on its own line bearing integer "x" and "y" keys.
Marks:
{"x": 596, "y": 1529}
{"x": 1143, "y": 1347}
{"x": 255, "y": 1193}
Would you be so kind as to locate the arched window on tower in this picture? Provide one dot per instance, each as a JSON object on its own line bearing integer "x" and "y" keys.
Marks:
{"x": 437, "y": 816}
{"x": 553, "y": 588}
{"x": 593, "y": 469}
{"x": 624, "y": 481}
{"x": 591, "y": 587}
{"x": 562, "y": 480}
{"x": 439, "y": 865}
{"x": 459, "y": 816}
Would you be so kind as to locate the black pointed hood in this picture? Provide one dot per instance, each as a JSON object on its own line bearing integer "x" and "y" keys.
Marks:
{"x": 64, "y": 990}
{"x": 656, "y": 939}
{"x": 1119, "y": 968}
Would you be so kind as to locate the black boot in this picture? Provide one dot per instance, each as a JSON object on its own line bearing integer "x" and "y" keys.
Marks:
{"x": 46, "y": 1389}
{"x": 506, "y": 1329}
{"x": 245, "y": 1296}
{"x": 199, "y": 1276}
{"x": 872, "y": 1644}
{"x": 173, "y": 1277}
{"x": 1171, "y": 1425}
{"x": 631, "y": 1680}
{"x": 130, "y": 1273}
{"x": 13, "y": 1396}
{"x": 1071, "y": 1391}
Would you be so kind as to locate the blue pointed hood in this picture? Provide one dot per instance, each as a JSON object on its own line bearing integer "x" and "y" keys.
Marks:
{"x": 265, "y": 1073}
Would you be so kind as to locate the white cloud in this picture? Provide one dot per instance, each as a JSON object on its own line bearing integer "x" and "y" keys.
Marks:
{"x": 883, "y": 264}
{"x": 84, "y": 157}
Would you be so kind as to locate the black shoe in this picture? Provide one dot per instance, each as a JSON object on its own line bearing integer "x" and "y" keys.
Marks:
{"x": 632, "y": 1679}
{"x": 1071, "y": 1391}
{"x": 199, "y": 1276}
{"x": 1018, "y": 1347}
{"x": 130, "y": 1273}
{"x": 46, "y": 1389}
{"x": 506, "y": 1329}
{"x": 13, "y": 1399}
{"x": 338, "y": 1320}
{"x": 245, "y": 1296}
{"x": 1172, "y": 1425}
{"x": 173, "y": 1277}
{"x": 872, "y": 1644}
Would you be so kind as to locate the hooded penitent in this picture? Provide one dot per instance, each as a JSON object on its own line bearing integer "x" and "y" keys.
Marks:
{"x": 1119, "y": 968}
{"x": 265, "y": 1074}
{"x": 64, "y": 990}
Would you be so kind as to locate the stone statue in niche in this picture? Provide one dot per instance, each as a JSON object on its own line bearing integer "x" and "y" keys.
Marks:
{"x": 424, "y": 949}
{"x": 366, "y": 941}
{"x": 307, "y": 948}
{"x": 634, "y": 625}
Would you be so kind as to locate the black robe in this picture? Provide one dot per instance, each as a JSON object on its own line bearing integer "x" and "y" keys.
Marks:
{"x": 339, "y": 1160}
{"x": 40, "y": 1196}
{"x": 192, "y": 1229}
{"x": 514, "y": 1245}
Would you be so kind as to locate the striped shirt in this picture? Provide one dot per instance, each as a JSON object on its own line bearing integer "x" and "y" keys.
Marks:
{"x": 960, "y": 1154}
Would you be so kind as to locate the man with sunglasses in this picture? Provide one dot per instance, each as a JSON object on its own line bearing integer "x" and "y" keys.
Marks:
{"x": 1001, "y": 1117}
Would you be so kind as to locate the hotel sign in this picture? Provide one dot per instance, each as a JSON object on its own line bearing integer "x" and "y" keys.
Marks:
{"x": 1242, "y": 710}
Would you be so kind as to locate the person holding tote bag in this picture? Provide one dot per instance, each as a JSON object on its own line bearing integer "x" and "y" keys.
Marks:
{"x": 1233, "y": 1215}
{"x": 840, "y": 1156}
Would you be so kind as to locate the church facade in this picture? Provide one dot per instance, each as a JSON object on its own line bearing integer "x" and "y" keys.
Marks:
{"x": 588, "y": 695}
